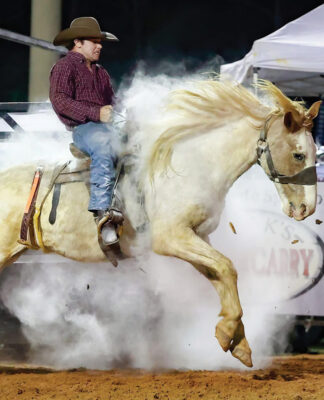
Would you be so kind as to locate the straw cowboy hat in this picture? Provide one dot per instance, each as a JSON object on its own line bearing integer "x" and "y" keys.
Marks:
{"x": 83, "y": 27}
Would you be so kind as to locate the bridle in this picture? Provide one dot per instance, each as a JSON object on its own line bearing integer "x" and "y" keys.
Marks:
{"x": 307, "y": 176}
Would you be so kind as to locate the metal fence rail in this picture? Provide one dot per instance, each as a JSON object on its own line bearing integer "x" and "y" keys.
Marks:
{"x": 30, "y": 41}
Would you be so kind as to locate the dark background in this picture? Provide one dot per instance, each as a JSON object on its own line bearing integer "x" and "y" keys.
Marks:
{"x": 188, "y": 31}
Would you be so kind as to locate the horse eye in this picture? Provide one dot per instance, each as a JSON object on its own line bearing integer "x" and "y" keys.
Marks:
{"x": 299, "y": 156}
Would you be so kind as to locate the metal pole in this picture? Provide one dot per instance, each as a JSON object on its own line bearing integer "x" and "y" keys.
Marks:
{"x": 255, "y": 79}
{"x": 30, "y": 41}
{"x": 319, "y": 132}
{"x": 45, "y": 24}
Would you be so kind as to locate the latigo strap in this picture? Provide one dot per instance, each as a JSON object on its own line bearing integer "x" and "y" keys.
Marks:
{"x": 27, "y": 220}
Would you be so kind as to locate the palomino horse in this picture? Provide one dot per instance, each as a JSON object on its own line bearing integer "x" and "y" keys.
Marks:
{"x": 208, "y": 136}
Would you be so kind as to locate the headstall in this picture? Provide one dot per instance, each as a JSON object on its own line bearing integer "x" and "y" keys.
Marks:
{"x": 307, "y": 176}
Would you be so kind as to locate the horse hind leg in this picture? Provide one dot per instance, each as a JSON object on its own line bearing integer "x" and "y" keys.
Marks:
{"x": 10, "y": 249}
{"x": 185, "y": 244}
{"x": 9, "y": 257}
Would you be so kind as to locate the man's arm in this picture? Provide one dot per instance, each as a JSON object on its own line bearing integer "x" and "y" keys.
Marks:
{"x": 62, "y": 93}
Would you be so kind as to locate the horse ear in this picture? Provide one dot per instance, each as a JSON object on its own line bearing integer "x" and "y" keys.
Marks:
{"x": 291, "y": 122}
{"x": 314, "y": 109}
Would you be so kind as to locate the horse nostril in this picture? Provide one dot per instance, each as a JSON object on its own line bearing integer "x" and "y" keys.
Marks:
{"x": 292, "y": 205}
{"x": 303, "y": 208}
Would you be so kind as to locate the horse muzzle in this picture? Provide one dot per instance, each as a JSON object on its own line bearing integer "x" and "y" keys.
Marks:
{"x": 301, "y": 212}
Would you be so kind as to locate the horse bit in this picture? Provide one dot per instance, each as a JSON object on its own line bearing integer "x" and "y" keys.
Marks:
{"x": 307, "y": 176}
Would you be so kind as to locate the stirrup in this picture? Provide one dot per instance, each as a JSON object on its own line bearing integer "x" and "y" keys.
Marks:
{"x": 108, "y": 234}
{"x": 105, "y": 230}
{"x": 107, "y": 248}
{"x": 107, "y": 225}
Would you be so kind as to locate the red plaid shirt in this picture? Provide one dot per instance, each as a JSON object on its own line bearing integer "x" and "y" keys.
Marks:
{"x": 77, "y": 94}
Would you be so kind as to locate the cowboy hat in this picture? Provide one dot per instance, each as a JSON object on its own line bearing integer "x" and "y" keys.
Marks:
{"x": 83, "y": 27}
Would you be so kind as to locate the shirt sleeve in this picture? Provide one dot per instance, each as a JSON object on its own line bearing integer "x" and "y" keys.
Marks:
{"x": 62, "y": 88}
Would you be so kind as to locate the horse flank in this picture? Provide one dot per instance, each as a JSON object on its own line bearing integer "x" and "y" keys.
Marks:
{"x": 211, "y": 104}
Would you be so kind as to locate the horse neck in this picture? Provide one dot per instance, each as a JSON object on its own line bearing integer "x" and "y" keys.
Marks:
{"x": 235, "y": 151}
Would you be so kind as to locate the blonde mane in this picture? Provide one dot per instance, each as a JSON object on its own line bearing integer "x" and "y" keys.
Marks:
{"x": 205, "y": 108}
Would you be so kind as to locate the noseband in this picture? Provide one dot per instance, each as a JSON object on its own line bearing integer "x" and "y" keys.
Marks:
{"x": 306, "y": 176}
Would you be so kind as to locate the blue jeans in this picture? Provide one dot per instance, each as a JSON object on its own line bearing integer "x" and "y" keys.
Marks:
{"x": 96, "y": 139}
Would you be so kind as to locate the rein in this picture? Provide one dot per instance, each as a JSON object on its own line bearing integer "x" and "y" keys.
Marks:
{"x": 307, "y": 176}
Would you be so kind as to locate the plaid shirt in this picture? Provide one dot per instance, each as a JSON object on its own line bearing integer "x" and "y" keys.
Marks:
{"x": 77, "y": 94}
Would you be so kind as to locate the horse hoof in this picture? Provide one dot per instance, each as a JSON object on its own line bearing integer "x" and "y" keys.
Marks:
{"x": 223, "y": 339}
{"x": 243, "y": 355}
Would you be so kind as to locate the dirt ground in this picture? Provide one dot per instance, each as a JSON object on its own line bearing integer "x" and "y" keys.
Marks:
{"x": 288, "y": 378}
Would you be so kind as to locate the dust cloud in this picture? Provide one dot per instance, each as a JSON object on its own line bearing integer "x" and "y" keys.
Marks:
{"x": 151, "y": 312}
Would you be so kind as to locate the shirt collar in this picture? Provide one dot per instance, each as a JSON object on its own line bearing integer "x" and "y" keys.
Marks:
{"x": 76, "y": 56}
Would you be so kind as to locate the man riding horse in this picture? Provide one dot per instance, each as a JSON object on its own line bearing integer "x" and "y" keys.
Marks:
{"x": 82, "y": 96}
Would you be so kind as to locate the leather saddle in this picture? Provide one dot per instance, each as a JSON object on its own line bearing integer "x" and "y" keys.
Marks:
{"x": 78, "y": 170}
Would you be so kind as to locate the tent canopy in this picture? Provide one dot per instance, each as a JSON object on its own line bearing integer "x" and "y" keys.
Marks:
{"x": 291, "y": 57}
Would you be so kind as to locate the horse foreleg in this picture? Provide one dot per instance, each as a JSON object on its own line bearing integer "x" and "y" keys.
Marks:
{"x": 182, "y": 242}
{"x": 230, "y": 330}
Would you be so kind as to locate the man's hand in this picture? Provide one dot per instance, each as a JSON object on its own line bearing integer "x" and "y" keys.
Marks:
{"x": 105, "y": 113}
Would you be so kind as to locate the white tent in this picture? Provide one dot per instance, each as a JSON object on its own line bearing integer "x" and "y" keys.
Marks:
{"x": 291, "y": 57}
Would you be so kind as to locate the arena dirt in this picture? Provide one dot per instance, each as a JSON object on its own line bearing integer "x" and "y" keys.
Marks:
{"x": 288, "y": 378}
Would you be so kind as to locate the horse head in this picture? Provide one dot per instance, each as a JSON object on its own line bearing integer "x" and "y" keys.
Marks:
{"x": 287, "y": 153}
